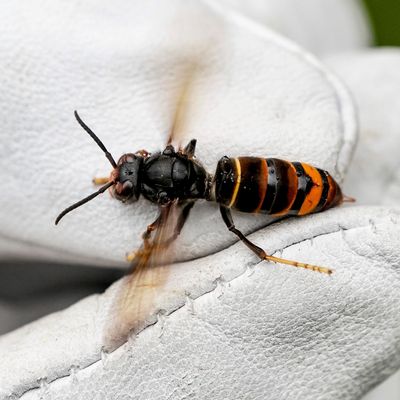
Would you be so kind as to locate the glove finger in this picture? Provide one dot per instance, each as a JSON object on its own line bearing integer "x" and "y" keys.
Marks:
{"x": 260, "y": 328}
{"x": 373, "y": 78}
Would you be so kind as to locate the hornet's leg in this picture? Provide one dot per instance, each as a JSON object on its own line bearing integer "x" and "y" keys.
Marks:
{"x": 100, "y": 181}
{"x": 143, "y": 153}
{"x": 184, "y": 210}
{"x": 227, "y": 217}
{"x": 190, "y": 148}
{"x": 182, "y": 218}
{"x": 162, "y": 216}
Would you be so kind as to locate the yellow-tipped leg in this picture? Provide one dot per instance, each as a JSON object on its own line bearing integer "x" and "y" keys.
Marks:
{"x": 132, "y": 255}
{"x": 100, "y": 181}
{"x": 316, "y": 268}
{"x": 227, "y": 217}
{"x": 142, "y": 252}
{"x": 143, "y": 153}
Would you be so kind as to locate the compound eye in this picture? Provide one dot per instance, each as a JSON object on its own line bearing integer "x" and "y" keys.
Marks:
{"x": 126, "y": 189}
{"x": 123, "y": 190}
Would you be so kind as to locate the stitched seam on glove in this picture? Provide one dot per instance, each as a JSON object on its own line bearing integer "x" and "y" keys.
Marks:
{"x": 371, "y": 224}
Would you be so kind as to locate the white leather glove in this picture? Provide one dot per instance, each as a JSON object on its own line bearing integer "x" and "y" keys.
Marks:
{"x": 323, "y": 27}
{"x": 372, "y": 75}
{"x": 374, "y": 79}
{"x": 236, "y": 327}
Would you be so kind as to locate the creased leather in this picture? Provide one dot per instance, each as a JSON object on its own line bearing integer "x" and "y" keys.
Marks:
{"x": 233, "y": 328}
{"x": 372, "y": 76}
{"x": 255, "y": 94}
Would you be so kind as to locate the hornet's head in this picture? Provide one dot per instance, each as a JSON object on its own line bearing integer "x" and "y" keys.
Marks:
{"x": 124, "y": 179}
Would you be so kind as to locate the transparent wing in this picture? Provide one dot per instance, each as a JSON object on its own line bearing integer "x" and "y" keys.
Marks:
{"x": 134, "y": 305}
{"x": 182, "y": 110}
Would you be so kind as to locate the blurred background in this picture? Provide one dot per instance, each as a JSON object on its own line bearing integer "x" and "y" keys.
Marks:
{"x": 385, "y": 20}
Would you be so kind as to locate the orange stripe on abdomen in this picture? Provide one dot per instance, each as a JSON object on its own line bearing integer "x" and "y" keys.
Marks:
{"x": 313, "y": 197}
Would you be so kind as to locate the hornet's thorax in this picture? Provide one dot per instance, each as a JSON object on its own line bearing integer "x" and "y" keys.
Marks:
{"x": 171, "y": 175}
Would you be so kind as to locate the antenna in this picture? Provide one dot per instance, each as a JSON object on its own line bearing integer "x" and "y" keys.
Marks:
{"x": 83, "y": 201}
{"x": 96, "y": 139}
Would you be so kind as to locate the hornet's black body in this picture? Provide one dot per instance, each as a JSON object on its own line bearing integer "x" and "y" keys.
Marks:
{"x": 171, "y": 175}
{"x": 248, "y": 184}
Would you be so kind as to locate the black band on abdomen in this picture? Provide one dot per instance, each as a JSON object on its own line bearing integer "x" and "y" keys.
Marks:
{"x": 272, "y": 188}
{"x": 304, "y": 184}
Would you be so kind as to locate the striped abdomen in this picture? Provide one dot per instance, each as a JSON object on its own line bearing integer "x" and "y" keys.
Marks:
{"x": 273, "y": 186}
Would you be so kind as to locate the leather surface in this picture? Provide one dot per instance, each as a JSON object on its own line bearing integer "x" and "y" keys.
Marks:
{"x": 228, "y": 327}
{"x": 232, "y": 327}
{"x": 255, "y": 94}
{"x": 323, "y": 27}
{"x": 373, "y": 78}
